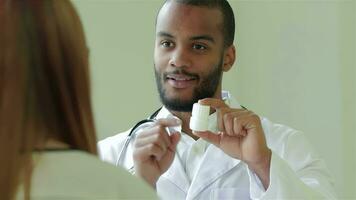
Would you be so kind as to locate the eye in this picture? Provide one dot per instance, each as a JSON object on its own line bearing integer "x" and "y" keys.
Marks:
{"x": 199, "y": 47}
{"x": 167, "y": 44}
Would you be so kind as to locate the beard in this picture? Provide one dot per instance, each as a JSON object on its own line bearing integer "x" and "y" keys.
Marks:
{"x": 207, "y": 87}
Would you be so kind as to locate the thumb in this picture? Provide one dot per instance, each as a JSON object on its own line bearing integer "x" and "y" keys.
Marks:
{"x": 209, "y": 136}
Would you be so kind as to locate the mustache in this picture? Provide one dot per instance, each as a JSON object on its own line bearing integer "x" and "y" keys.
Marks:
{"x": 180, "y": 72}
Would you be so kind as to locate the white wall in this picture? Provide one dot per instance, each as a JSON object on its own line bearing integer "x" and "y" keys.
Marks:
{"x": 296, "y": 66}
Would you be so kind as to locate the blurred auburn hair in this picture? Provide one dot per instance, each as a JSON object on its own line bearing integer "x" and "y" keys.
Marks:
{"x": 44, "y": 86}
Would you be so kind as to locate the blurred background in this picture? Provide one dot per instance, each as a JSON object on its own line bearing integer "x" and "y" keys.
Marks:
{"x": 296, "y": 65}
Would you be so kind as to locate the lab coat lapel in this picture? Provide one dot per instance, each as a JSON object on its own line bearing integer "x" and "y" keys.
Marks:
{"x": 176, "y": 174}
{"x": 214, "y": 164}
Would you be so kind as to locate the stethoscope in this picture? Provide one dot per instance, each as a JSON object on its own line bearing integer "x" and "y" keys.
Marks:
{"x": 141, "y": 124}
{"x": 132, "y": 134}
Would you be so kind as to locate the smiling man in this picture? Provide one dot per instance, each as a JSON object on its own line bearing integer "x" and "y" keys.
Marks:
{"x": 241, "y": 155}
{"x": 189, "y": 55}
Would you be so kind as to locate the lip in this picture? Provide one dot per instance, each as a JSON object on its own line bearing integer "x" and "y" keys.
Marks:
{"x": 180, "y": 81}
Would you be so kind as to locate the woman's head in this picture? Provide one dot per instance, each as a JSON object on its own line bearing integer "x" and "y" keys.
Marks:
{"x": 44, "y": 82}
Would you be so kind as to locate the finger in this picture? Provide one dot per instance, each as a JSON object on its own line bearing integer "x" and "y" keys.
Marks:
{"x": 243, "y": 132}
{"x": 238, "y": 127}
{"x": 167, "y": 122}
{"x": 233, "y": 121}
{"x": 244, "y": 122}
{"x": 214, "y": 103}
{"x": 228, "y": 120}
{"x": 175, "y": 137}
{"x": 158, "y": 132}
{"x": 163, "y": 134}
{"x": 248, "y": 120}
{"x": 254, "y": 121}
{"x": 152, "y": 139}
{"x": 146, "y": 152}
{"x": 171, "y": 151}
{"x": 220, "y": 118}
{"x": 209, "y": 136}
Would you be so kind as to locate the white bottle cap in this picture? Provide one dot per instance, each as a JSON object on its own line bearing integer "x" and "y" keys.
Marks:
{"x": 199, "y": 119}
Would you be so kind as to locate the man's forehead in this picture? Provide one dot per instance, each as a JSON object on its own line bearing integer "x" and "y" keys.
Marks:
{"x": 195, "y": 20}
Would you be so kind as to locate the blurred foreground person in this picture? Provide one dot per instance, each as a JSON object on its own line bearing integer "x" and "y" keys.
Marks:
{"x": 47, "y": 135}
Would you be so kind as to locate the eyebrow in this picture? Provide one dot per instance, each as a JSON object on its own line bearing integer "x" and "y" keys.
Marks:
{"x": 198, "y": 37}
{"x": 203, "y": 37}
{"x": 164, "y": 34}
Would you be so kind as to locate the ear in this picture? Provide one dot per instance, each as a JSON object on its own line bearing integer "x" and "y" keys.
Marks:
{"x": 229, "y": 58}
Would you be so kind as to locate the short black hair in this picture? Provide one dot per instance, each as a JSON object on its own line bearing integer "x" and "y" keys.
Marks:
{"x": 226, "y": 11}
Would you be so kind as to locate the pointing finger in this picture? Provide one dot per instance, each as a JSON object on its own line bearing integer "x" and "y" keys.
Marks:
{"x": 214, "y": 103}
{"x": 166, "y": 122}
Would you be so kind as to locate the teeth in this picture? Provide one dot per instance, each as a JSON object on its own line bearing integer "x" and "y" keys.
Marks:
{"x": 180, "y": 78}
{"x": 183, "y": 79}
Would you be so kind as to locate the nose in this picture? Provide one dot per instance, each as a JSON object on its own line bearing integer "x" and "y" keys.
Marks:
{"x": 180, "y": 58}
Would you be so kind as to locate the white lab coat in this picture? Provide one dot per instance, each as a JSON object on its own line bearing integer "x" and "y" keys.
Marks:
{"x": 296, "y": 171}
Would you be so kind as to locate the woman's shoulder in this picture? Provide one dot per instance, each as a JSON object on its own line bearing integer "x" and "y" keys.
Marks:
{"x": 72, "y": 172}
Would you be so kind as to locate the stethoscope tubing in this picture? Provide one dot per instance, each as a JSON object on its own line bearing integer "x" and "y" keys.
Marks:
{"x": 132, "y": 133}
